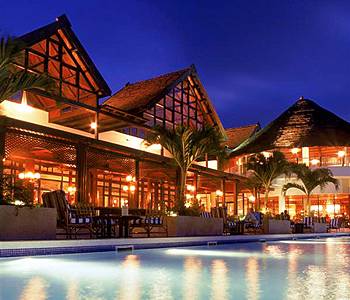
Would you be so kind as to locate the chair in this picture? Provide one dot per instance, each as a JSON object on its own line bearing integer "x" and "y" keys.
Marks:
{"x": 205, "y": 214}
{"x": 151, "y": 223}
{"x": 156, "y": 224}
{"x": 308, "y": 223}
{"x": 71, "y": 220}
{"x": 254, "y": 226}
{"x": 334, "y": 224}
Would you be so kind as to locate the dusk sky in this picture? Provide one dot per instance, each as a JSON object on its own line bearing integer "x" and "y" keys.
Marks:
{"x": 255, "y": 58}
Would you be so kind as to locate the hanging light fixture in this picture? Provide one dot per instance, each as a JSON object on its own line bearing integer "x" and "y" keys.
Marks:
{"x": 24, "y": 107}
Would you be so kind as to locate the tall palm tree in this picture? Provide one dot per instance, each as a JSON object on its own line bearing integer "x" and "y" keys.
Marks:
{"x": 187, "y": 145}
{"x": 309, "y": 181}
{"x": 13, "y": 80}
{"x": 265, "y": 169}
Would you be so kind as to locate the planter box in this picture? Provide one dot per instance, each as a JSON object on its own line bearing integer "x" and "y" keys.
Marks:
{"x": 25, "y": 223}
{"x": 194, "y": 226}
{"x": 277, "y": 226}
{"x": 319, "y": 227}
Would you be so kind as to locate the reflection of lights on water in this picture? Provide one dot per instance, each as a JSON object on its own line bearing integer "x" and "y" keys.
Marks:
{"x": 130, "y": 287}
{"x": 192, "y": 273}
{"x": 72, "y": 290}
{"x": 219, "y": 253}
{"x": 252, "y": 279}
{"x": 35, "y": 289}
{"x": 315, "y": 242}
{"x": 161, "y": 285}
{"x": 219, "y": 283}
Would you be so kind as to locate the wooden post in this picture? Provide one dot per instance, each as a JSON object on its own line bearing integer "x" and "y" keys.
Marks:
{"x": 235, "y": 192}
{"x": 82, "y": 172}
{"x": 243, "y": 203}
{"x": 137, "y": 175}
{"x": 223, "y": 192}
{"x": 2, "y": 158}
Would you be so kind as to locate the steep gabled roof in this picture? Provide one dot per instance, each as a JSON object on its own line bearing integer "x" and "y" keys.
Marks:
{"x": 303, "y": 124}
{"x": 237, "y": 135}
{"x": 62, "y": 23}
{"x": 140, "y": 95}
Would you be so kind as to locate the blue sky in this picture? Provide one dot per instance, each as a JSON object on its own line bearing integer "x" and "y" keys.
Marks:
{"x": 255, "y": 58}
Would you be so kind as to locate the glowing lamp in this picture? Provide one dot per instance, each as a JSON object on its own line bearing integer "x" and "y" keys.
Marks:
{"x": 341, "y": 153}
{"x": 190, "y": 188}
{"x": 93, "y": 125}
{"x": 125, "y": 188}
{"x": 71, "y": 190}
{"x": 314, "y": 162}
{"x": 266, "y": 154}
{"x": 251, "y": 198}
{"x": 132, "y": 188}
{"x": 295, "y": 150}
{"x": 129, "y": 178}
{"x": 187, "y": 204}
{"x": 24, "y": 107}
{"x": 219, "y": 193}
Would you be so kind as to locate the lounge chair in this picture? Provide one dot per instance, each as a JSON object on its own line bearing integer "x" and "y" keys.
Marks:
{"x": 69, "y": 219}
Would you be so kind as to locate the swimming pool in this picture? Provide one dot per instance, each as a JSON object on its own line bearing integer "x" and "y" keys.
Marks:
{"x": 301, "y": 269}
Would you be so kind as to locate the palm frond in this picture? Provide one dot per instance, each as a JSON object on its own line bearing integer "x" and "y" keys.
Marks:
{"x": 22, "y": 80}
{"x": 292, "y": 185}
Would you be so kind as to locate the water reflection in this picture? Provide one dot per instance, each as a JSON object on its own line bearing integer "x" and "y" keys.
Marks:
{"x": 72, "y": 290}
{"x": 161, "y": 285}
{"x": 252, "y": 279}
{"x": 130, "y": 286}
{"x": 35, "y": 289}
{"x": 219, "y": 282}
{"x": 192, "y": 274}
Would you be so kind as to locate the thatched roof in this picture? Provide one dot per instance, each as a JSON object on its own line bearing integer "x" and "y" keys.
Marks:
{"x": 303, "y": 124}
{"x": 135, "y": 97}
{"x": 237, "y": 135}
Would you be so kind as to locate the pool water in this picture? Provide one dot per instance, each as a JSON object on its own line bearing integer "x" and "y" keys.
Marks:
{"x": 301, "y": 269}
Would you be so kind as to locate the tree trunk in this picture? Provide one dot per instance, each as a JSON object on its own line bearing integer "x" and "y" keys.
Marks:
{"x": 182, "y": 183}
{"x": 266, "y": 199}
{"x": 307, "y": 205}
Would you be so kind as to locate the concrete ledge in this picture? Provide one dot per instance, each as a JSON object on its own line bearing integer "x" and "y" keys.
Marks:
{"x": 31, "y": 248}
{"x": 194, "y": 226}
{"x": 272, "y": 226}
{"x": 27, "y": 223}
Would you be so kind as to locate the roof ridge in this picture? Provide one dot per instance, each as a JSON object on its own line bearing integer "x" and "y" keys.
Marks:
{"x": 244, "y": 126}
{"x": 157, "y": 77}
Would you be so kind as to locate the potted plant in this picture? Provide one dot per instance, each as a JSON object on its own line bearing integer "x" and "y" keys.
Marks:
{"x": 187, "y": 145}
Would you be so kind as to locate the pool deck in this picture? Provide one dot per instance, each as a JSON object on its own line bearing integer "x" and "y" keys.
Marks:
{"x": 32, "y": 248}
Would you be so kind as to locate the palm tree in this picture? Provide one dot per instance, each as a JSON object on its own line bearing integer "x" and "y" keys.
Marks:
{"x": 187, "y": 145}
{"x": 13, "y": 80}
{"x": 265, "y": 169}
{"x": 310, "y": 179}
